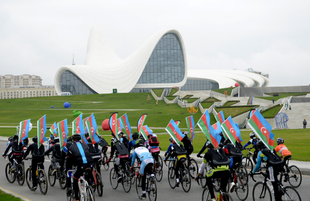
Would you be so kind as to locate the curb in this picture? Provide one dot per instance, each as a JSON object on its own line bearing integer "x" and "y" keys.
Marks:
{"x": 14, "y": 194}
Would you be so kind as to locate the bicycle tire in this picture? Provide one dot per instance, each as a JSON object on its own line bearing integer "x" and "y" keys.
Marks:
{"x": 217, "y": 184}
{"x": 247, "y": 163}
{"x": 126, "y": 182}
{"x": 99, "y": 185}
{"x": 20, "y": 174}
{"x": 62, "y": 181}
{"x": 185, "y": 179}
{"x": 290, "y": 193}
{"x": 261, "y": 192}
{"x": 51, "y": 177}
{"x": 89, "y": 194}
{"x": 171, "y": 177}
{"x": 159, "y": 175}
{"x": 113, "y": 179}
{"x": 10, "y": 176}
{"x": 206, "y": 196}
{"x": 202, "y": 181}
{"x": 193, "y": 168}
{"x": 29, "y": 178}
{"x": 42, "y": 181}
{"x": 161, "y": 162}
{"x": 105, "y": 165}
{"x": 295, "y": 176}
{"x": 242, "y": 191}
{"x": 139, "y": 185}
{"x": 152, "y": 189}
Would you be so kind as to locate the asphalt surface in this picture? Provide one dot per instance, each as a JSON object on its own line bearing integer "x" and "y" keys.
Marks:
{"x": 164, "y": 190}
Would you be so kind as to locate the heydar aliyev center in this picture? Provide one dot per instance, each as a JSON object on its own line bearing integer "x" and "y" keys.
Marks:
{"x": 160, "y": 62}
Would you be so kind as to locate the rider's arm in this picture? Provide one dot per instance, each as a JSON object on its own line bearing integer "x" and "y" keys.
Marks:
{"x": 49, "y": 150}
{"x": 247, "y": 144}
{"x": 30, "y": 148}
{"x": 202, "y": 166}
{"x": 133, "y": 158}
{"x": 202, "y": 149}
{"x": 7, "y": 149}
{"x": 168, "y": 150}
{"x": 259, "y": 161}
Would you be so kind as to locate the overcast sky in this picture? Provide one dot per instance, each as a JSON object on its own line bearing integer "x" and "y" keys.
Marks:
{"x": 39, "y": 37}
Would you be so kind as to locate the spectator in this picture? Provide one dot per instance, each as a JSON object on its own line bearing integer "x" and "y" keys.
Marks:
{"x": 304, "y": 123}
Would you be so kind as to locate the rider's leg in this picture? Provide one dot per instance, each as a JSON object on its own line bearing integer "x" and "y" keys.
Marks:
{"x": 34, "y": 171}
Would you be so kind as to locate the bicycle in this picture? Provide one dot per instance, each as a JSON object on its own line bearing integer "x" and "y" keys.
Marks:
{"x": 292, "y": 174}
{"x": 105, "y": 158}
{"x": 85, "y": 191}
{"x": 221, "y": 196}
{"x": 125, "y": 174}
{"x": 158, "y": 165}
{"x": 192, "y": 167}
{"x": 240, "y": 178}
{"x": 150, "y": 186}
{"x": 262, "y": 190}
{"x": 40, "y": 176}
{"x": 98, "y": 182}
{"x": 185, "y": 178}
{"x": 55, "y": 173}
{"x": 16, "y": 170}
{"x": 247, "y": 160}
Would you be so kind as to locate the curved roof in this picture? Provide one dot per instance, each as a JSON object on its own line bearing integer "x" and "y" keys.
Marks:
{"x": 104, "y": 70}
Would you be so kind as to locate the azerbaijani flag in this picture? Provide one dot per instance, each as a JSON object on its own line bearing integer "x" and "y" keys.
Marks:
{"x": 141, "y": 122}
{"x": 119, "y": 124}
{"x": 113, "y": 124}
{"x": 84, "y": 120}
{"x": 262, "y": 129}
{"x": 177, "y": 122}
{"x": 220, "y": 117}
{"x": 208, "y": 130}
{"x": 78, "y": 127}
{"x": 23, "y": 129}
{"x": 62, "y": 133}
{"x": 126, "y": 125}
{"x": 217, "y": 127}
{"x": 53, "y": 129}
{"x": 250, "y": 100}
{"x": 190, "y": 126}
{"x": 174, "y": 131}
{"x": 92, "y": 127}
{"x": 145, "y": 131}
{"x": 231, "y": 130}
{"x": 41, "y": 129}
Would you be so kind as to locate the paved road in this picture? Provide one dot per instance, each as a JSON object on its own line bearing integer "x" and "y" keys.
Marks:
{"x": 164, "y": 190}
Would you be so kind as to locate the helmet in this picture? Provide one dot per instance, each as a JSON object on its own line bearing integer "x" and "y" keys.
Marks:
{"x": 185, "y": 133}
{"x": 86, "y": 135}
{"x": 10, "y": 138}
{"x": 171, "y": 140}
{"x": 76, "y": 137}
{"x": 252, "y": 135}
{"x": 55, "y": 140}
{"x": 139, "y": 143}
{"x": 135, "y": 136}
{"x": 69, "y": 139}
{"x": 280, "y": 141}
{"x": 120, "y": 133}
{"x": 15, "y": 137}
{"x": 35, "y": 139}
{"x": 88, "y": 139}
{"x": 260, "y": 144}
{"x": 209, "y": 144}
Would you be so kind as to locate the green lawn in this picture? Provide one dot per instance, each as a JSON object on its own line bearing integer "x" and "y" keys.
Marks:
{"x": 170, "y": 97}
{"x": 230, "y": 103}
{"x": 222, "y": 91}
{"x": 173, "y": 91}
{"x": 272, "y": 112}
{"x": 281, "y": 95}
{"x": 158, "y": 92}
{"x": 234, "y": 110}
{"x": 5, "y": 196}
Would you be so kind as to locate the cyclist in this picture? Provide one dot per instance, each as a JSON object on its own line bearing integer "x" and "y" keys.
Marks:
{"x": 272, "y": 168}
{"x": 37, "y": 157}
{"x": 153, "y": 145}
{"x": 253, "y": 141}
{"x": 57, "y": 154}
{"x": 178, "y": 153}
{"x": 79, "y": 156}
{"x": 146, "y": 160}
{"x": 132, "y": 142}
{"x": 95, "y": 154}
{"x": 123, "y": 138}
{"x": 16, "y": 152}
{"x": 215, "y": 169}
{"x": 187, "y": 145}
{"x": 285, "y": 153}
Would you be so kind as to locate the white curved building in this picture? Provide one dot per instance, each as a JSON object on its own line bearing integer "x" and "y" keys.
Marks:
{"x": 159, "y": 63}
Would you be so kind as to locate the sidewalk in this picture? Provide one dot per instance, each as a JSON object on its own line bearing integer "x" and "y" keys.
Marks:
{"x": 303, "y": 166}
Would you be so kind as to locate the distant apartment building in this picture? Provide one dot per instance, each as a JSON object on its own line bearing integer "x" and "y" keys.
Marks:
{"x": 24, "y": 86}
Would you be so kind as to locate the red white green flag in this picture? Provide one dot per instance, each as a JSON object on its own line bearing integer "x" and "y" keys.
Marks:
{"x": 53, "y": 129}
{"x": 63, "y": 133}
{"x": 41, "y": 130}
{"x": 141, "y": 122}
{"x": 113, "y": 124}
{"x": 24, "y": 128}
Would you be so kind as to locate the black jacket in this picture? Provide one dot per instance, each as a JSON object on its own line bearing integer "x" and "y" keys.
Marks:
{"x": 55, "y": 149}
{"x": 75, "y": 155}
{"x": 35, "y": 151}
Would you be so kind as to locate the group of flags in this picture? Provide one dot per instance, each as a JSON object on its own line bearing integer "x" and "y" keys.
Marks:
{"x": 229, "y": 129}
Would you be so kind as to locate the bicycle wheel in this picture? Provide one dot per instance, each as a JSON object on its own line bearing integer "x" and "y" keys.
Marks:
{"x": 29, "y": 178}
{"x": 160, "y": 162}
{"x": 126, "y": 182}
{"x": 193, "y": 168}
{"x": 216, "y": 184}
{"x": 185, "y": 179}
{"x": 10, "y": 175}
{"x": 261, "y": 192}
{"x": 99, "y": 185}
{"x": 113, "y": 179}
{"x": 202, "y": 181}
{"x": 295, "y": 177}
{"x": 139, "y": 185}
{"x": 42, "y": 180}
{"x": 159, "y": 175}
{"x": 291, "y": 194}
{"x": 51, "y": 175}
{"x": 152, "y": 189}
{"x": 206, "y": 196}
{"x": 89, "y": 194}
{"x": 247, "y": 163}
{"x": 62, "y": 181}
{"x": 20, "y": 174}
{"x": 242, "y": 191}
{"x": 104, "y": 163}
{"x": 171, "y": 177}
